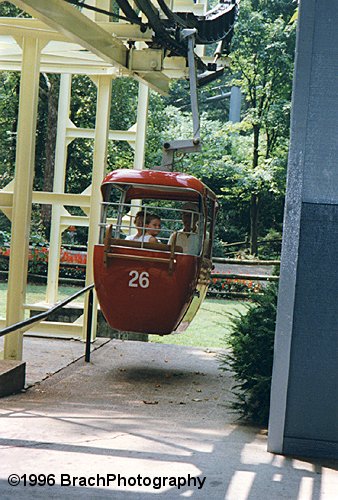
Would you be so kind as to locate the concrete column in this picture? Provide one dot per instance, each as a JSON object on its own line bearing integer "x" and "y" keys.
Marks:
{"x": 304, "y": 402}
{"x": 235, "y": 105}
{"x": 22, "y": 197}
{"x": 58, "y": 187}
{"x": 99, "y": 168}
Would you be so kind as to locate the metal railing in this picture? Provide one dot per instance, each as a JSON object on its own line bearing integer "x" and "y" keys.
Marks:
{"x": 41, "y": 316}
{"x": 170, "y": 216}
{"x": 241, "y": 276}
{"x": 245, "y": 262}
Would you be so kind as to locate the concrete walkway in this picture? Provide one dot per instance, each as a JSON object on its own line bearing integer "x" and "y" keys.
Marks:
{"x": 140, "y": 421}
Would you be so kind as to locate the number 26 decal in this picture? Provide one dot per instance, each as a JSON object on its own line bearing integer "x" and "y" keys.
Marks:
{"x": 138, "y": 279}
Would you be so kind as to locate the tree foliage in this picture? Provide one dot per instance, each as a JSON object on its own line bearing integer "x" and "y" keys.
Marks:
{"x": 262, "y": 67}
{"x": 244, "y": 163}
{"x": 238, "y": 161}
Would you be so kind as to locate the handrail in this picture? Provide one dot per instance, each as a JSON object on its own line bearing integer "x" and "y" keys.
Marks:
{"x": 251, "y": 277}
{"x": 39, "y": 317}
{"x": 246, "y": 262}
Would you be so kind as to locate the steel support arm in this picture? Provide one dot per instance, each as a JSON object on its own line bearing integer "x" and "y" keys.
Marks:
{"x": 188, "y": 145}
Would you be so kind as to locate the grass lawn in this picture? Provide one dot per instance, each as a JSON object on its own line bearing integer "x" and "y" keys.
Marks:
{"x": 208, "y": 329}
{"x": 37, "y": 293}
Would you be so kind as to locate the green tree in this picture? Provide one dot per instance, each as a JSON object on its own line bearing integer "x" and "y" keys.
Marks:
{"x": 46, "y": 141}
{"x": 9, "y": 102}
{"x": 224, "y": 164}
{"x": 262, "y": 64}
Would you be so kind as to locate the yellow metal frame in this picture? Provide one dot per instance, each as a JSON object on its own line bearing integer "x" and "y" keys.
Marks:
{"x": 61, "y": 39}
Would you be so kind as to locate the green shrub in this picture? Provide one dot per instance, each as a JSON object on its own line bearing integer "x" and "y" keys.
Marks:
{"x": 250, "y": 356}
{"x": 5, "y": 238}
{"x": 218, "y": 287}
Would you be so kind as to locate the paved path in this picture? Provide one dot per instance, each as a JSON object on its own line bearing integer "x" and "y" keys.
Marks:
{"x": 139, "y": 413}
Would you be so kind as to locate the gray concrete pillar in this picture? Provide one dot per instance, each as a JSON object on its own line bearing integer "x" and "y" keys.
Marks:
{"x": 304, "y": 398}
{"x": 235, "y": 104}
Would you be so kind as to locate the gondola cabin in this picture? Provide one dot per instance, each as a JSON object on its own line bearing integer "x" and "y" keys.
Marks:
{"x": 152, "y": 265}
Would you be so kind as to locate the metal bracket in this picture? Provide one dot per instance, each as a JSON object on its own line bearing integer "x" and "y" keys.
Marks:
{"x": 186, "y": 145}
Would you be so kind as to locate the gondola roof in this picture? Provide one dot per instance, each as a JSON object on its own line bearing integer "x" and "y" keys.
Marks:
{"x": 156, "y": 184}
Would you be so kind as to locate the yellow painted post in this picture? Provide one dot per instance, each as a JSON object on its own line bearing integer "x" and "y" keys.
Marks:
{"x": 97, "y": 16}
{"x": 58, "y": 187}
{"x": 22, "y": 197}
{"x": 141, "y": 126}
{"x": 140, "y": 139}
{"x": 200, "y": 49}
{"x": 99, "y": 167}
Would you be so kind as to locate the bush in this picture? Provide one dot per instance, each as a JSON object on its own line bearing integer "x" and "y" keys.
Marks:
{"x": 5, "y": 238}
{"x": 38, "y": 260}
{"x": 220, "y": 287}
{"x": 250, "y": 358}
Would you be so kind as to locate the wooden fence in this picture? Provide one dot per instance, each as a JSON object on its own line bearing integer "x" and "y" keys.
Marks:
{"x": 251, "y": 283}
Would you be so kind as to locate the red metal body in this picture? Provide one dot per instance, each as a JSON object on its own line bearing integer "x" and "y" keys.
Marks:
{"x": 156, "y": 308}
{"x": 150, "y": 290}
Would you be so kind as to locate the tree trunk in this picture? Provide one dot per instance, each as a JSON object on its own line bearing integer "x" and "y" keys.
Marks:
{"x": 15, "y": 124}
{"x": 52, "y": 106}
{"x": 254, "y": 197}
{"x": 254, "y": 224}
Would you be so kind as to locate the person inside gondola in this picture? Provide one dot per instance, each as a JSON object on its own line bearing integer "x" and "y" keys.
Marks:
{"x": 188, "y": 237}
{"x": 147, "y": 228}
{"x": 153, "y": 225}
{"x": 138, "y": 221}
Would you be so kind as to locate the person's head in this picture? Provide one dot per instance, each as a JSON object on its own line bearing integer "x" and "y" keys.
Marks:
{"x": 190, "y": 216}
{"x": 153, "y": 224}
{"x": 139, "y": 219}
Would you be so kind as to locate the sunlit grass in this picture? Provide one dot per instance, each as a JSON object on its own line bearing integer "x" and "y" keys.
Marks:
{"x": 36, "y": 293}
{"x": 209, "y": 328}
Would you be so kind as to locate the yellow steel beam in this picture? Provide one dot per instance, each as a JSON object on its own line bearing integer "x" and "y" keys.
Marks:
{"x": 127, "y": 32}
{"x": 58, "y": 186}
{"x": 51, "y": 328}
{"x": 64, "y": 18}
{"x": 87, "y": 133}
{"x": 73, "y": 220}
{"x": 13, "y": 26}
{"x": 49, "y": 198}
{"x": 6, "y": 199}
{"x": 77, "y": 27}
{"x": 57, "y": 329}
{"x": 22, "y": 197}
{"x": 51, "y": 63}
{"x": 68, "y": 199}
{"x": 17, "y": 27}
{"x": 101, "y": 141}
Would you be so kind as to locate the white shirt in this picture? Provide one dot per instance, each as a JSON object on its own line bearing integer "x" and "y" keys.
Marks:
{"x": 188, "y": 241}
{"x": 144, "y": 237}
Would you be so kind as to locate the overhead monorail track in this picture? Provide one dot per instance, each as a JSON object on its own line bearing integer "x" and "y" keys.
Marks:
{"x": 216, "y": 26}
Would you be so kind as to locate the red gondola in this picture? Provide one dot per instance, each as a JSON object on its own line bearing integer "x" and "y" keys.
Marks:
{"x": 153, "y": 287}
